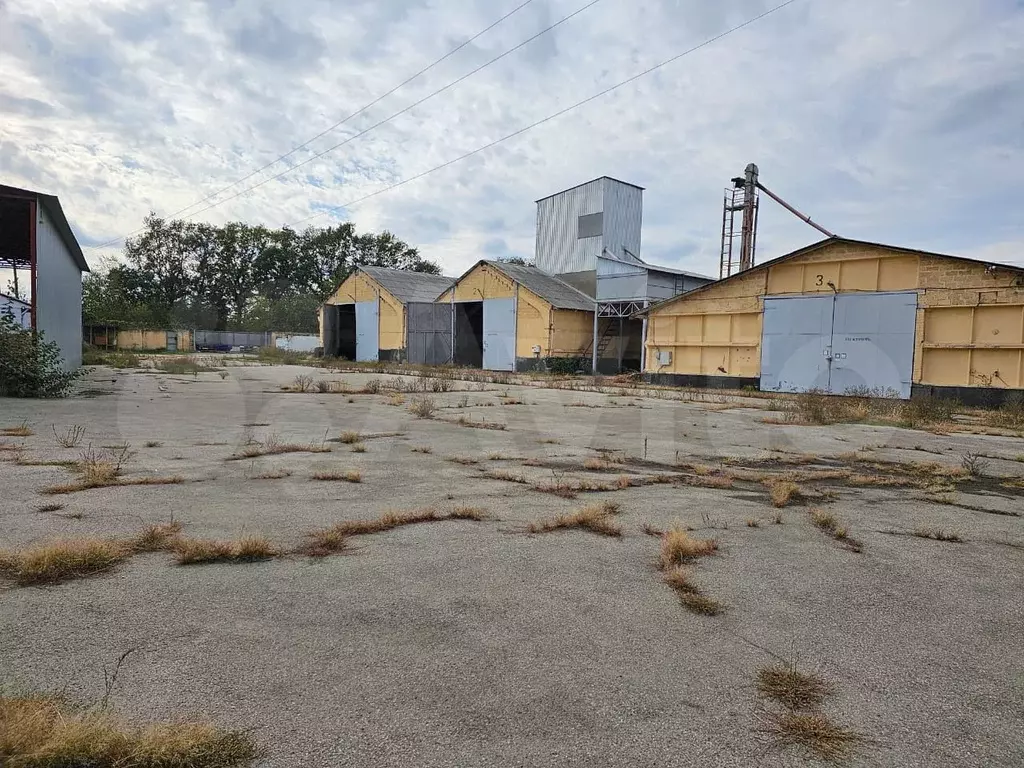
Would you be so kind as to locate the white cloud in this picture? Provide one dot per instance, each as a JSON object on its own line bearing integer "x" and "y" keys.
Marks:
{"x": 891, "y": 121}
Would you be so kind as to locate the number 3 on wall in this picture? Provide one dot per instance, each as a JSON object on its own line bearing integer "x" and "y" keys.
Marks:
{"x": 819, "y": 279}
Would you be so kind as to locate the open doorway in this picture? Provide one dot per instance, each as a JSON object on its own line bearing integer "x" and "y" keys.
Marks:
{"x": 346, "y": 336}
{"x": 469, "y": 333}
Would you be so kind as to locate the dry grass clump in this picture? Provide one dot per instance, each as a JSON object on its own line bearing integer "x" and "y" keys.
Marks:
{"x": 568, "y": 489}
{"x": 48, "y": 732}
{"x": 272, "y": 474}
{"x": 326, "y": 541}
{"x": 650, "y": 530}
{"x": 468, "y": 513}
{"x": 782, "y": 492}
{"x": 156, "y": 537}
{"x": 596, "y": 518}
{"x": 462, "y": 421}
{"x": 830, "y": 524}
{"x": 597, "y": 465}
{"x": 50, "y": 508}
{"x": 690, "y": 595}
{"x": 678, "y": 547}
{"x": 504, "y": 474}
{"x": 792, "y": 688}
{"x": 812, "y": 733}
{"x": 421, "y": 449}
{"x": 87, "y": 483}
{"x": 21, "y": 430}
{"x": 622, "y": 482}
{"x": 532, "y": 462}
{"x": 348, "y": 476}
{"x": 753, "y": 522}
{"x": 358, "y": 448}
{"x": 423, "y": 407}
{"x": 247, "y": 549}
{"x": 708, "y": 481}
{"x": 549, "y": 441}
{"x": 937, "y": 534}
{"x": 467, "y": 460}
{"x": 59, "y": 561}
{"x": 272, "y": 447}
{"x": 702, "y": 604}
{"x": 349, "y": 438}
{"x": 511, "y": 401}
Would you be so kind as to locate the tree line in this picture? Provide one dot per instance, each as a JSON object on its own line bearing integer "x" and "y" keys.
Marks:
{"x": 182, "y": 274}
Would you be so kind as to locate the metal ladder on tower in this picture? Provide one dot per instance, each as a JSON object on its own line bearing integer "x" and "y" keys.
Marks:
{"x": 733, "y": 202}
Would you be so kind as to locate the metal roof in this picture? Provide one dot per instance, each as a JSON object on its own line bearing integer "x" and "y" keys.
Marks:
{"x": 821, "y": 244}
{"x": 557, "y": 293}
{"x": 408, "y": 286}
{"x": 599, "y": 178}
{"x": 641, "y": 264}
{"x": 52, "y": 206}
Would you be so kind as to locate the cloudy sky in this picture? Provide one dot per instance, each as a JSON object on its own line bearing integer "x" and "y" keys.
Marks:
{"x": 893, "y": 120}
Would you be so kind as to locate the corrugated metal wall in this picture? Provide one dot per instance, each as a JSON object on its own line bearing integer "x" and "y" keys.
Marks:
{"x": 559, "y": 248}
{"x": 59, "y": 287}
{"x": 623, "y": 217}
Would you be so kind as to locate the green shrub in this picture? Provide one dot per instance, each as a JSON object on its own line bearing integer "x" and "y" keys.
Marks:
{"x": 566, "y": 366}
{"x": 30, "y": 366}
{"x": 112, "y": 359}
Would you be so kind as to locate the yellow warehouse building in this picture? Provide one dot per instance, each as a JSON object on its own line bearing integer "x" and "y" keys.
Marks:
{"x": 370, "y": 315}
{"x": 849, "y": 316}
{"x": 513, "y": 317}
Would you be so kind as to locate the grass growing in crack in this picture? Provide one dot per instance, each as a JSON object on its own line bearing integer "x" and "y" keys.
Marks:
{"x": 272, "y": 474}
{"x": 650, "y": 530}
{"x": 47, "y": 732}
{"x": 350, "y": 438}
{"x": 831, "y": 525}
{"x": 156, "y": 537}
{"x": 153, "y": 443}
{"x": 678, "y": 547}
{"x": 791, "y": 687}
{"x": 504, "y": 474}
{"x": 21, "y": 430}
{"x": 358, "y": 448}
{"x": 348, "y": 476}
{"x": 753, "y": 522}
{"x": 462, "y": 421}
{"x": 466, "y": 460}
{"x": 271, "y": 448}
{"x": 62, "y": 561}
{"x": 596, "y": 518}
{"x": 50, "y": 508}
{"x": 70, "y": 437}
{"x": 87, "y": 484}
{"x": 421, "y": 449}
{"x": 423, "y": 407}
{"x": 937, "y": 534}
{"x": 782, "y": 492}
{"x": 812, "y": 733}
{"x": 248, "y": 549}
{"x": 334, "y": 539}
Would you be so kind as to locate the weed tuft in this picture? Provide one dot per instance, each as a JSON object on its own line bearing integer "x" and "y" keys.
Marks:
{"x": 830, "y": 524}
{"x": 423, "y": 407}
{"x": 348, "y": 476}
{"x": 247, "y": 549}
{"x": 38, "y": 731}
{"x": 156, "y": 537}
{"x": 70, "y": 437}
{"x": 812, "y": 733}
{"x": 677, "y": 547}
{"x": 421, "y": 449}
{"x": 21, "y": 430}
{"x": 595, "y": 518}
{"x": 782, "y": 492}
{"x": 937, "y": 534}
{"x": 792, "y": 688}
{"x": 350, "y": 438}
{"x": 61, "y": 561}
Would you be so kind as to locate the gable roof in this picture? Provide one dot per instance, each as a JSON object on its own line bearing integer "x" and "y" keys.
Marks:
{"x": 56, "y": 213}
{"x": 408, "y": 286}
{"x": 599, "y": 178}
{"x": 636, "y": 261}
{"x": 822, "y": 244}
{"x": 557, "y": 293}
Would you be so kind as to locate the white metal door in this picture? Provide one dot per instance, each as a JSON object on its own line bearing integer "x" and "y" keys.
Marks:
{"x": 795, "y": 339}
{"x": 367, "y": 325}
{"x": 873, "y": 343}
{"x": 499, "y": 334}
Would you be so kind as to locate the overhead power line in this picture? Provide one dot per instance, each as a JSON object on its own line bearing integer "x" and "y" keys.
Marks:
{"x": 338, "y": 124}
{"x": 400, "y": 112}
{"x": 550, "y": 117}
